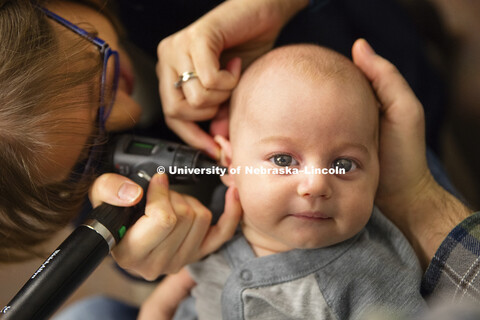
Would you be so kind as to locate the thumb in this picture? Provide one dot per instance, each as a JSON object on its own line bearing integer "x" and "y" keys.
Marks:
{"x": 116, "y": 190}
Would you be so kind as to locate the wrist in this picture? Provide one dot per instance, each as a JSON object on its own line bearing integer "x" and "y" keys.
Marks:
{"x": 425, "y": 214}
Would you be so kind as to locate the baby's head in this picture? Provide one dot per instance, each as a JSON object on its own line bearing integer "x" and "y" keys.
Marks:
{"x": 305, "y": 107}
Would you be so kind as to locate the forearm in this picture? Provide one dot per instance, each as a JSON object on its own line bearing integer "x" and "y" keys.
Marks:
{"x": 428, "y": 218}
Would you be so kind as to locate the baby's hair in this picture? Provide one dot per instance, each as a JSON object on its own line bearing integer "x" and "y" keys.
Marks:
{"x": 40, "y": 82}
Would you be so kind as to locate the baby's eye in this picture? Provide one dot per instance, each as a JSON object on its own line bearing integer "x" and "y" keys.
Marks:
{"x": 343, "y": 163}
{"x": 283, "y": 160}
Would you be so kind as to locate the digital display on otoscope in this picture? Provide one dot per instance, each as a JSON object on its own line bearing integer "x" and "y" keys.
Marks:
{"x": 140, "y": 148}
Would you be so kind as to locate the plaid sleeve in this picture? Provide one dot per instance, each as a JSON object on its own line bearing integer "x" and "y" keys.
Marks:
{"x": 454, "y": 272}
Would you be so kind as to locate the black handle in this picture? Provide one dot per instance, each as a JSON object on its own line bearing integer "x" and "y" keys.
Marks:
{"x": 66, "y": 268}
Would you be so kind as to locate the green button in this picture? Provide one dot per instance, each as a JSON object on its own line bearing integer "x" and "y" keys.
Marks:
{"x": 121, "y": 231}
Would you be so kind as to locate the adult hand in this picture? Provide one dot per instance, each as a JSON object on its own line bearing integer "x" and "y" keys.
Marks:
{"x": 407, "y": 192}
{"x": 246, "y": 29}
{"x": 174, "y": 231}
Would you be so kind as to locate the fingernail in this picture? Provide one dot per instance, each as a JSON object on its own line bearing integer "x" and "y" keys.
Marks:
{"x": 367, "y": 48}
{"x": 129, "y": 192}
{"x": 214, "y": 152}
{"x": 158, "y": 178}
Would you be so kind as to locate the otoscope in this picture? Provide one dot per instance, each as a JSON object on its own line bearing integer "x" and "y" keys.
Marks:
{"x": 138, "y": 158}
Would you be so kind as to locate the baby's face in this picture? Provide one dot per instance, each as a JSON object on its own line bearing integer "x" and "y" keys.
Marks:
{"x": 305, "y": 124}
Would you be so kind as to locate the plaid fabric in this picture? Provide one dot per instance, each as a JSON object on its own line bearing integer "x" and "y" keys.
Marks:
{"x": 454, "y": 272}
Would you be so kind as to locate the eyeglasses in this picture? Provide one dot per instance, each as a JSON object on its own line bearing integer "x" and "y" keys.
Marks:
{"x": 108, "y": 89}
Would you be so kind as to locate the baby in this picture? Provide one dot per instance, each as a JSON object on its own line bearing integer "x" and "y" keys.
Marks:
{"x": 312, "y": 245}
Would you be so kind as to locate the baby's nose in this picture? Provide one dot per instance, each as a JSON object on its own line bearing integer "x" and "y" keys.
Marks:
{"x": 314, "y": 185}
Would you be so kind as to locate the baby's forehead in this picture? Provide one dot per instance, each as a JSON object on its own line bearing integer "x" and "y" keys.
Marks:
{"x": 298, "y": 86}
{"x": 312, "y": 64}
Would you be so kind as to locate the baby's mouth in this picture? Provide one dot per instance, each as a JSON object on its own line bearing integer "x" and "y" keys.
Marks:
{"x": 311, "y": 215}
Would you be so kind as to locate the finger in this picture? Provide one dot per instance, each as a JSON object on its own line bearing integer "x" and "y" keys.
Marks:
{"x": 193, "y": 135}
{"x": 219, "y": 124}
{"x": 184, "y": 111}
{"x": 116, "y": 190}
{"x": 175, "y": 103}
{"x": 185, "y": 217}
{"x": 152, "y": 228}
{"x": 171, "y": 254}
{"x": 195, "y": 95}
{"x": 207, "y": 65}
{"x": 402, "y": 112}
{"x": 168, "y": 93}
{"x": 391, "y": 88}
{"x": 198, "y": 97}
{"x": 200, "y": 226}
{"x": 226, "y": 225}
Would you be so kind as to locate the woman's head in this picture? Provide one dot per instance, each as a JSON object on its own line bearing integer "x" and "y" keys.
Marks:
{"x": 49, "y": 94}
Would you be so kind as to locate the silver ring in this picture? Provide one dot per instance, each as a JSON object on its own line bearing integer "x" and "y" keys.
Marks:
{"x": 184, "y": 77}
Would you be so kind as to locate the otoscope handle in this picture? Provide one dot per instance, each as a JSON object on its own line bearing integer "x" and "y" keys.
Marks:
{"x": 67, "y": 267}
{"x": 73, "y": 261}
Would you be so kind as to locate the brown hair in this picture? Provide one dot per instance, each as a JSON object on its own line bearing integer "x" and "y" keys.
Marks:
{"x": 35, "y": 78}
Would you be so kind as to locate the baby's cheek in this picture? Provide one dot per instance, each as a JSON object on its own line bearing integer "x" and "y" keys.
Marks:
{"x": 361, "y": 216}
{"x": 355, "y": 212}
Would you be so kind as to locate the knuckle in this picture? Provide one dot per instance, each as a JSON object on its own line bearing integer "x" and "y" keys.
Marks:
{"x": 199, "y": 211}
{"x": 102, "y": 181}
{"x": 170, "y": 122}
{"x": 175, "y": 269}
{"x": 149, "y": 274}
{"x": 163, "y": 45}
{"x": 162, "y": 218}
{"x": 197, "y": 99}
{"x": 185, "y": 212}
{"x": 204, "y": 216}
{"x": 209, "y": 80}
{"x": 195, "y": 31}
{"x": 172, "y": 110}
{"x": 172, "y": 268}
{"x": 390, "y": 68}
{"x": 167, "y": 221}
{"x": 127, "y": 262}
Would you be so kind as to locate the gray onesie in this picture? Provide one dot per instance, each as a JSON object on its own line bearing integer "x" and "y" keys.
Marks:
{"x": 375, "y": 270}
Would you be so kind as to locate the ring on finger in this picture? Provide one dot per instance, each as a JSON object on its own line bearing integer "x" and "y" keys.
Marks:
{"x": 184, "y": 77}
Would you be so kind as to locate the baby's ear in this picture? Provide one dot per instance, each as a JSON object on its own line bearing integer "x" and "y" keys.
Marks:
{"x": 225, "y": 157}
{"x": 225, "y": 150}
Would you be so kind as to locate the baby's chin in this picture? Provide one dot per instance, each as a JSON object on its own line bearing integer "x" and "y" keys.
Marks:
{"x": 317, "y": 243}
{"x": 263, "y": 246}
